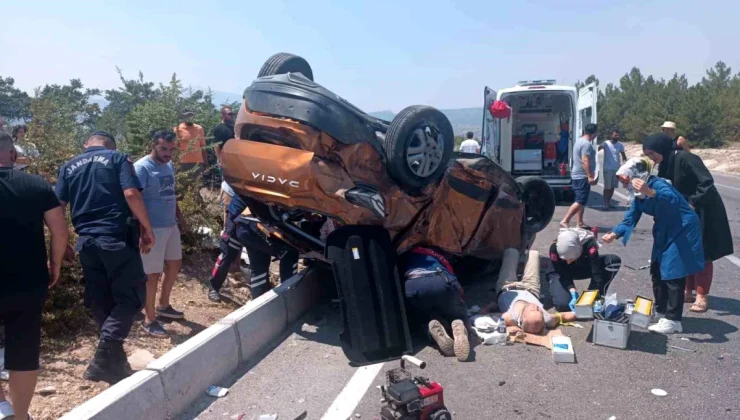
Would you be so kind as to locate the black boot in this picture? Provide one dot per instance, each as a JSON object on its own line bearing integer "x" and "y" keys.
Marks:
{"x": 123, "y": 366}
{"x": 106, "y": 365}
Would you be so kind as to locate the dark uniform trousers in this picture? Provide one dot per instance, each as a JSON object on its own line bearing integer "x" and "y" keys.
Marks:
{"x": 115, "y": 284}
{"x": 434, "y": 295}
{"x": 243, "y": 232}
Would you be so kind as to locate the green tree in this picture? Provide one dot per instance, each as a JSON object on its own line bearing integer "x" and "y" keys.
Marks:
{"x": 14, "y": 103}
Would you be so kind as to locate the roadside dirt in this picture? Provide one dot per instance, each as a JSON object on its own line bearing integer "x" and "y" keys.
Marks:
{"x": 62, "y": 368}
{"x": 721, "y": 160}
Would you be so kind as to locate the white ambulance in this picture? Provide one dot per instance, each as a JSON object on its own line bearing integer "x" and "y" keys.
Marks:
{"x": 537, "y": 139}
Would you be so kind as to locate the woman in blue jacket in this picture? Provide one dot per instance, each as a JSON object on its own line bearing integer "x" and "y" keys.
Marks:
{"x": 677, "y": 240}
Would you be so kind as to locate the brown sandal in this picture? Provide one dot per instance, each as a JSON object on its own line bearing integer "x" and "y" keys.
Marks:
{"x": 689, "y": 299}
{"x": 698, "y": 307}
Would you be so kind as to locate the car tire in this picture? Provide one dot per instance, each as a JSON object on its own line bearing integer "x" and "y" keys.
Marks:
{"x": 539, "y": 202}
{"x": 282, "y": 63}
{"x": 419, "y": 145}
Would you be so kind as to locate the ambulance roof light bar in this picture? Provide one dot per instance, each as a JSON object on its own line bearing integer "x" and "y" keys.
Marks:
{"x": 545, "y": 82}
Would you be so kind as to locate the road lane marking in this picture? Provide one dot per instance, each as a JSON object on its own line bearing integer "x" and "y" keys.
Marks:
{"x": 344, "y": 405}
{"x": 733, "y": 259}
{"x": 727, "y": 186}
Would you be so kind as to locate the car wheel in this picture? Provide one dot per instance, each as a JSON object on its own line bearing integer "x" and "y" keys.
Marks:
{"x": 539, "y": 202}
{"x": 282, "y": 63}
{"x": 419, "y": 145}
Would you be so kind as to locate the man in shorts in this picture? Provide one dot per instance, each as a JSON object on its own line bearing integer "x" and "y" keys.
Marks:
{"x": 28, "y": 203}
{"x": 157, "y": 176}
{"x": 583, "y": 175}
{"x": 613, "y": 151}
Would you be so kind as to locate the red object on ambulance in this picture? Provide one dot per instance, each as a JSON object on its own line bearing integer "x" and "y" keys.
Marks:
{"x": 500, "y": 109}
{"x": 551, "y": 151}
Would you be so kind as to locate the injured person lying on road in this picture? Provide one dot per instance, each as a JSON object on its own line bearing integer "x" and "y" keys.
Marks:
{"x": 519, "y": 300}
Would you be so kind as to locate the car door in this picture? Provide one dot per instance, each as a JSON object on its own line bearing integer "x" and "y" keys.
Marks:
{"x": 489, "y": 133}
{"x": 586, "y": 108}
{"x": 586, "y": 113}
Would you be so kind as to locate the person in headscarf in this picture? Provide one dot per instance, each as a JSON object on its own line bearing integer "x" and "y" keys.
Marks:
{"x": 575, "y": 256}
{"x": 692, "y": 179}
{"x": 677, "y": 242}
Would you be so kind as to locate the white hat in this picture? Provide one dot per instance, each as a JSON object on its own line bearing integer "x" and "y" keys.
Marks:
{"x": 669, "y": 124}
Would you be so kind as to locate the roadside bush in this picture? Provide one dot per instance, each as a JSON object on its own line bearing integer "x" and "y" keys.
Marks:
{"x": 63, "y": 117}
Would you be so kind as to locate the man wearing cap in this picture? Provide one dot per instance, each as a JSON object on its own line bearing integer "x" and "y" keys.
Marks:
{"x": 102, "y": 190}
{"x": 680, "y": 142}
{"x": 191, "y": 140}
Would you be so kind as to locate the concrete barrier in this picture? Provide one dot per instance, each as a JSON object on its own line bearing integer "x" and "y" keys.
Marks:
{"x": 300, "y": 294}
{"x": 140, "y": 396}
{"x": 171, "y": 383}
{"x": 190, "y": 368}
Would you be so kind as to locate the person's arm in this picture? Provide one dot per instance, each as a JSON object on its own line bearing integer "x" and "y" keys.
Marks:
{"x": 621, "y": 152}
{"x": 202, "y": 145}
{"x": 693, "y": 164}
{"x": 561, "y": 267}
{"x": 631, "y": 218}
{"x": 59, "y": 240}
{"x": 560, "y": 317}
{"x": 131, "y": 186}
{"x": 180, "y": 219}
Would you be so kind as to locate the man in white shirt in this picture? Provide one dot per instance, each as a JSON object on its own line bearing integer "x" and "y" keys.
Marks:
{"x": 470, "y": 145}
{"x": 613, "y": 151}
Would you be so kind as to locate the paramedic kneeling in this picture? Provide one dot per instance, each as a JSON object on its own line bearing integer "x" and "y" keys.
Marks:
{"x": 575, "y": 256}
{"x": 434, "y": 298}
{"x": 102, "y": 190}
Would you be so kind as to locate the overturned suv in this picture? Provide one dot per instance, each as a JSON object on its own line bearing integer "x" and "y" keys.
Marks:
{"x": 305, "y": 159}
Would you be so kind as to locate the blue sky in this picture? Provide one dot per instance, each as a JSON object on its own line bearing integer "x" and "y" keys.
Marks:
{"x": 378, "y": 54}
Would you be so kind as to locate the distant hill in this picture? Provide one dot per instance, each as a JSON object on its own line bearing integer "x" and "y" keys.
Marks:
{"x": 462, "y": 119}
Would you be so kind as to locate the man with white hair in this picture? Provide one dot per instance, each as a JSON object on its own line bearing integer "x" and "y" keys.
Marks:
{"x": 680, "y": 142}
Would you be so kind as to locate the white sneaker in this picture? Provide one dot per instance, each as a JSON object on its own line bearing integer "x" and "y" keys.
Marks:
{"x": 658, "y": 316}
{"x": 666, "y": 326}
{"x": 6, "y": 411}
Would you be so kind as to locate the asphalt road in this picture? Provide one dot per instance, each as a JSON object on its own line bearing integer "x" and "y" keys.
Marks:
{"x": 699, "y": 369}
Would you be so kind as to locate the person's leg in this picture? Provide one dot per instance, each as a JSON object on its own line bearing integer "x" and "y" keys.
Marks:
{"x": 153, "y": 264}
{"x": 128, "y": 284}
{"x": 583, "y": 200}
{"x": 531, "y": 275}
{"x": 152, "y": 280}
{"x": 674, "y": 298}
{"x": 703, "y": 284}
{"x": 21, "y": 385}
{"x": 690, "y": 288}
{"x": 259, "y": 262}
{"x": 288, "y": 264}
{"x": 98, "y": 296}
{"x": 422, "y": 296}
{"x": 172, "y": 264}
{"x": 574, "y": 209}
{"x": 608, "y": 194}
{"x": 22, "y": 351}
{"x": 231, "y": 249}
{"x": 507, "y": 273}
{"x": 659, "y": 290}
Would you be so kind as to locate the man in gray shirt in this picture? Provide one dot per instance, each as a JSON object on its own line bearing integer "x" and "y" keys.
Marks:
{"x": 157, "y": 177}
{"x": 583, "y": 175}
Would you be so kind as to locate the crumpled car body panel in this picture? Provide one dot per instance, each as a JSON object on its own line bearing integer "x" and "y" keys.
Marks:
{"x": 474, "y": 210}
